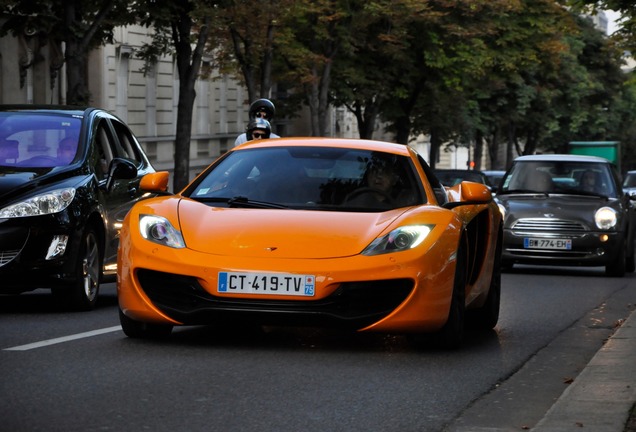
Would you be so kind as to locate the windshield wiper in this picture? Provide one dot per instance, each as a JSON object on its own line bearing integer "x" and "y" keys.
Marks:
{"x": 245, "y": 202}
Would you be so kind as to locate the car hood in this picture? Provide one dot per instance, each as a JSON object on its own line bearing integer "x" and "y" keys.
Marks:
{"x": 15, "y": 183}
{"x": 287, "y": 233}
{"x": 570, "y": 207}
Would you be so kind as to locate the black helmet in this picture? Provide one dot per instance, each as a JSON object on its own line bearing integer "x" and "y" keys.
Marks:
{"x": 258, "y": 123}
{"x": 262, "y": 105}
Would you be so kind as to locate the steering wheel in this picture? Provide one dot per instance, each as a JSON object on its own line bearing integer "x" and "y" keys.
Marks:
{"x": 368, "y": 190}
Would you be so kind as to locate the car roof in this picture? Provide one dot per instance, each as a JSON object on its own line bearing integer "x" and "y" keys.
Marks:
{"x": 561, "y": 158}
{"x": 58, "y": 109}
{"x": 354, "y": 143}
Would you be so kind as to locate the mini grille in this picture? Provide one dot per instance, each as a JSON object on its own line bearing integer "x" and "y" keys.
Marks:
{"x": 545, "y": 224}
{"x": 7, "y": 256}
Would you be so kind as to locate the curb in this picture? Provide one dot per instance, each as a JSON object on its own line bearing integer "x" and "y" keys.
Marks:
{"x": 602, "y": 395}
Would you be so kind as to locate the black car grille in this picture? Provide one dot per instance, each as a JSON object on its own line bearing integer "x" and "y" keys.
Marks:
{"x": 353, "y": 304}
{"x": 548, "y": 225}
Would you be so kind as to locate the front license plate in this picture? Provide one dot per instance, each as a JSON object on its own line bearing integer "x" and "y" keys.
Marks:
{"x": 266, "y": 283}
{"x": 541, "y": 243}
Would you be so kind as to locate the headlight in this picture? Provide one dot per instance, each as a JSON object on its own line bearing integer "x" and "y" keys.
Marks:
{"x": 399, "y": 239}
{"x": 159, "y": 230}
{"x": 43, "y": 204}
{"x": 605, "y": 218}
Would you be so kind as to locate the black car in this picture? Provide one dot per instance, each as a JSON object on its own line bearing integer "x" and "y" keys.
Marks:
{"x": 567, "y": 210}
{"x": 68, "y": 176}
{"x": 452, "y": 177}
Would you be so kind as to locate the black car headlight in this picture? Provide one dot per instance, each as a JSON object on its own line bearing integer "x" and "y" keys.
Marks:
{"x": 159, "y": 230}
{"x": 43, "y": 204}
{"x": 605, "y": 218}
{"x": 400, "y": 239}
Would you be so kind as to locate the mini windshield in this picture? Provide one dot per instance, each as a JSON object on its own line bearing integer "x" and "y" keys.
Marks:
{"x": 38, "y": 140}
{"x": 560, "y": 177}
{"x": 310, "y": 178}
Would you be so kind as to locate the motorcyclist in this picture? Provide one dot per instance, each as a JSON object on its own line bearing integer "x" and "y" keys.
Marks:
{"x": 258, "y": 128}
{"x": 263, "y": 109}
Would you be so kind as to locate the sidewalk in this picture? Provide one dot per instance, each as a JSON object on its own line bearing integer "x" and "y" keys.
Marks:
{"x": 601, "y": 396}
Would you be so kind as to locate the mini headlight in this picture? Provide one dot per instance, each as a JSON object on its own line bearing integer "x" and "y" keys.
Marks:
{"x": 159, "y": 230}
{"x": 43, "y": 204}
{"x": 605, "y": 218}
{"x": 403, "y": 238}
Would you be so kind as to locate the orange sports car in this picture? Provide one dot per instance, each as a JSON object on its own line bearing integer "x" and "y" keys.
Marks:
{"x": 313, "y": 232}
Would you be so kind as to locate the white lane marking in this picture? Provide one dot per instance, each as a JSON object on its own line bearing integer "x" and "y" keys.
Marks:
{"x": 63, "y": 339}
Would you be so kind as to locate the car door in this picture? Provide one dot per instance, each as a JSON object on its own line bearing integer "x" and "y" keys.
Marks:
{"x": 117, "y": 141}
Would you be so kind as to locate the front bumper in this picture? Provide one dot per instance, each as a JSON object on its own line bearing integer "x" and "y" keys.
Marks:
{"x": 24, "y": 247}
{"x": 402, "y": 292}
{"x": 588, "y": 249}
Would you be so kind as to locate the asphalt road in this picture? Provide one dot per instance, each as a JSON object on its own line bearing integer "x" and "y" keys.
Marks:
{"x": 65, "y": 371}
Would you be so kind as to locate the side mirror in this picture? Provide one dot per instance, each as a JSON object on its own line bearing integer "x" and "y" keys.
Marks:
{"x": 475, "y": 192}
{"x": 120, "y": 169}
{"x": 155, "y": 182}
{"x": 468, "y": 193}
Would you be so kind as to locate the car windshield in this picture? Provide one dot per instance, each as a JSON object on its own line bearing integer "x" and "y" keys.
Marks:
{"x": 323, "y": 178}
{"x": 630, "y": 180}
{"x": 29, "y": 140}
{"x": 560, "y": 177}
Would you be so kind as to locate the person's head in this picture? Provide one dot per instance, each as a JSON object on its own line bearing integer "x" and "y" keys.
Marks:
{"x": 66, "y": 149}
{"x": 258, "y": 128}
{"x": 589, "y": 181}
{"x": 381, "y": 177}
{"x": 262, "y": 108}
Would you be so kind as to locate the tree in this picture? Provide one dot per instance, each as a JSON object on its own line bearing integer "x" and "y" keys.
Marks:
{"x": 181, "y": 28}
{"x": 78, "y": 26}
{"x": 313, "y": 35}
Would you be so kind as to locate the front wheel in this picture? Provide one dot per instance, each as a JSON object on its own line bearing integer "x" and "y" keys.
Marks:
{"x": 81, "y": 294}
{"x": 141, "y": 330}
{"x": 451, "y": 335}
{"x": 618, "y": 267}
{"x": 486, "y": 317}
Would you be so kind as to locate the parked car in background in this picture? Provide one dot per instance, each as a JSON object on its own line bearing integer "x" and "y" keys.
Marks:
{"x": 452, "y": 177}
{"x": 313, "y": 231}
{"x": 566, "y": 210}
{"x": 629, "y": 183}
{"x": 494, "y": 178}
{"x": 68, "y": 176}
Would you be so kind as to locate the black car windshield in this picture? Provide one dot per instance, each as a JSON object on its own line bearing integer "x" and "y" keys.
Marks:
{"x": 321, "y": 178}
{"x": 454, "y": 177}
{"x": 560, "y": 177}
{"x": 32, "y": 140}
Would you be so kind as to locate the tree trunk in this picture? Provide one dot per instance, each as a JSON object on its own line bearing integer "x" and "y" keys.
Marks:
{"x": 188, "y": 65}
{"x": 435, "y": 146}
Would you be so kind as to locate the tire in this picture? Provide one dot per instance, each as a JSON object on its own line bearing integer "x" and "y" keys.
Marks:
{"x": 141, "y": 330}
{"x": 618, "y": 267}
{"x": 486, "y": 317}
{"x": 451, "y": 335}
{"x": 82, "y": 293}
{"x": 630, "y": 261}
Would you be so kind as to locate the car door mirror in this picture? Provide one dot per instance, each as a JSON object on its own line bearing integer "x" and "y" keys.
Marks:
{"x": 155, "y": 182}
{"x": 120, "y": 169}
{"x": 467, "y": 193}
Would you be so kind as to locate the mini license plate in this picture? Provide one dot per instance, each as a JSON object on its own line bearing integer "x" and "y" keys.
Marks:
{"x": 544, "y": 243}
{"x": 266, "y": 283}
